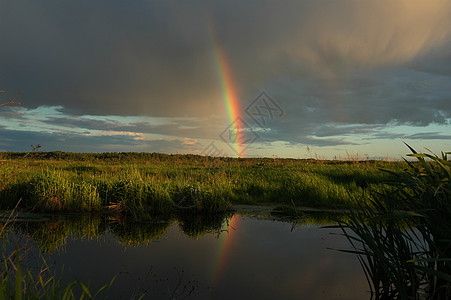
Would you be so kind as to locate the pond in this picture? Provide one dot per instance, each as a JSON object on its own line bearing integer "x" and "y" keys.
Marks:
{"x": 241, "y": 256}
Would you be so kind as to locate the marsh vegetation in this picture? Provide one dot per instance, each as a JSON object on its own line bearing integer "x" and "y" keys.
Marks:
{"x": 145, "y": 184}
{"x": 403, "y": 238}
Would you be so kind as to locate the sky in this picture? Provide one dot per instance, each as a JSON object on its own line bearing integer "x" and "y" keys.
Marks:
{"x": 305, "y": 78}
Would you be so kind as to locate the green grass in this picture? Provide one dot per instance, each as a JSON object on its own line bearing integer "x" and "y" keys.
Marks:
{"x": 22, "y": 283}
{"x": 142, "y": 185}
{"x": 406, "y": 254}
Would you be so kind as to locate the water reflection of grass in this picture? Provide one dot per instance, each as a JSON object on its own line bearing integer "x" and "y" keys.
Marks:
{"x": 51, "y": 235}
{"x": 195, "y": 226}
{"x": 302, "y": 217}
{"x": 134, "y": 234}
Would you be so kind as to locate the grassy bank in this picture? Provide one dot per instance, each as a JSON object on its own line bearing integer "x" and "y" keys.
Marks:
{"x": 140, "y": 184}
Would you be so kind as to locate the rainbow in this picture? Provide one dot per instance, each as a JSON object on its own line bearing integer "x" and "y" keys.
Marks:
{"x": 225, "y": 241}
{"x": 229, "y": 95}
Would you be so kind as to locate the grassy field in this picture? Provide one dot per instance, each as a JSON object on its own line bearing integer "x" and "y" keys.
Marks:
{"x": 142, "y": 184}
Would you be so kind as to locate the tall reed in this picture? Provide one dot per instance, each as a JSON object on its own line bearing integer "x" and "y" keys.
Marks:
{"x": 403, "y": 238}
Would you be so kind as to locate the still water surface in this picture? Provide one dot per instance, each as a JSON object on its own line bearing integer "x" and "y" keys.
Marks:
{"x": 250, "y": 258}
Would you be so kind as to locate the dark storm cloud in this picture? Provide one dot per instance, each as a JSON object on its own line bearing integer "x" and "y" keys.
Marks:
{"x": 155, "y": 57}
{"x": 343, "y": 72}
{"x": 105, "y": 57}
{"x": 376, "y": 97}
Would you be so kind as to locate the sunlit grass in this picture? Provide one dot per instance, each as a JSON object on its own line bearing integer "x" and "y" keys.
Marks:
{"x": 142, "y": 187}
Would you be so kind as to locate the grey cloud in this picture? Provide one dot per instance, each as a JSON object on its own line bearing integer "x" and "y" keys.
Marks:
{"x": 434, "y": 135}
{"x": 308, "y": 141}
{"x": 83, "y": 123}
{"x": 429, "y": 136}
{"x": 105, "y": 57}
{"x": 348, "y": 68}
{"x": 196, "y": 129}
{"x": 385, "y": 135}
{"x": 312, "y": 141}
{"x": 155, "y": 58}
{"x": 329, "y": 130}
{"x": 382, "y": 96}
{"x": 11, "y": 140}
{"x": 12, "y": 113}
{"x": 207, "y": 128}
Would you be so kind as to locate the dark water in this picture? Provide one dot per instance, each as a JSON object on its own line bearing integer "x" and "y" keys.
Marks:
{"x": 252, "y": 259}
